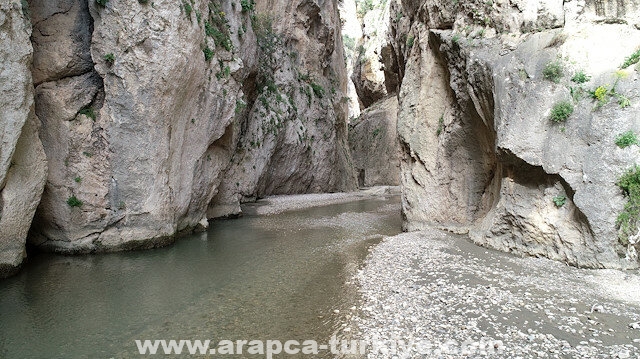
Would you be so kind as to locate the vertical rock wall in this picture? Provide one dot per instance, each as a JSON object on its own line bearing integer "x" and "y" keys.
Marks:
{"x": 22, "y": 160}
{"x": 480, "y": 153}
{"x": 159, "y": 115}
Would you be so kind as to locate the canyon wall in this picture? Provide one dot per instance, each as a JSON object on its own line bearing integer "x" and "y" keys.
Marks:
{"x": 157, "y": 116}
{"x": 480, "y": 86}
{"x": 22, "y": 160}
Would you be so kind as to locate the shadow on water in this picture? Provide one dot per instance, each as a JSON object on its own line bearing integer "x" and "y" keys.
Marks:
{"x": 268, "y": 277}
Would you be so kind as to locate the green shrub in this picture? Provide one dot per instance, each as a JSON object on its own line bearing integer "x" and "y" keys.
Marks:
{"x": 102, "y": 3}
{"x": 73, "y": 201}
{"x": 410, "y": 41}
{"x": 580, "y": 77}
{"x": 627, "y": 139}
{"x": 89, "y": 112}
{"x": 247, "y": 5}
{"x": 559, "y": 200}
{"x": 552, "y": 72}
{"x": 628, "y": 220}
{"x": 601, "y": 93}
{"x": 187, "y": 9}
{"x": 349, "y": 42}
{"x": 317, "y": 89}
{"x": 561, "y": 111}
{"x": 208, "y": 53}
{"x": 78, "y": 179}
{"x": 631, "y": 60}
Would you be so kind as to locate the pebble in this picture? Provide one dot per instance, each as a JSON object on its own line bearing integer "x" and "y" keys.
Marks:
{"x": 428, "y": 287}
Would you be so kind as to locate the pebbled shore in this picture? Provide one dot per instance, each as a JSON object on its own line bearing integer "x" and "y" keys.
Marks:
{"x": 452, "y": 299}
{"x": 285, "y": 203}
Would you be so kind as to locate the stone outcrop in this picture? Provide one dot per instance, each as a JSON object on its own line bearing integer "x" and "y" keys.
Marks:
{"x": 157, "y": 116}
{"x": 22, "y": 160}
{"x": 373, "y": 139}
{"x": 480, "y": 153}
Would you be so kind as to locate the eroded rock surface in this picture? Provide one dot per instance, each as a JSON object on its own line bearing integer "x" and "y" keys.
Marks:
{"x": 158, "y": 116}
{"x": 480, "y": 153}
{"x": 373, "y": 139}
{"x": 22, "y": 160}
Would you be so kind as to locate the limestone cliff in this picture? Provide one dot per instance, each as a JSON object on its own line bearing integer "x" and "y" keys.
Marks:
{"x": 486, "y": 149}
{"x": 154, "y": 113}
{"x": 22, "y": 160}
{"x": 294, "y": 136}
{"x": 373, "y": 140}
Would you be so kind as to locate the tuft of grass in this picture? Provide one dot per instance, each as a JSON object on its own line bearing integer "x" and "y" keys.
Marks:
{"x": 109, "y": 58}
{"x": 627, "y": 139}
{"x": 455, "y": 39}
{"x": 628, "y": 220}
{"x": 102, "y": 3}
{"x": 559, "y": 200}
{"x": 631, "y": 60}
{"x": 78, "y": 179}
{"x": 561, "y": 111}
{"x": 73, "y": 201}
{"x": 580, "y": 77}
{"x": 89, "y": 112}
{"x": 552, "y": 71}
{"x": 440, "y": 125}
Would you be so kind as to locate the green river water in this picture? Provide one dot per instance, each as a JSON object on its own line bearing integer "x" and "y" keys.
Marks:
{"x": 257, "y": 277}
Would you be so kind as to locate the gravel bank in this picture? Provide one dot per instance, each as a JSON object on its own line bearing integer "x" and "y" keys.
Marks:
{"x": 284, "y": 203}
{"x": 452, "y": 299}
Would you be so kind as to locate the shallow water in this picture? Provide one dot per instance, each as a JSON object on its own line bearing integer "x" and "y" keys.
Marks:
{"x": 269, "y": 277}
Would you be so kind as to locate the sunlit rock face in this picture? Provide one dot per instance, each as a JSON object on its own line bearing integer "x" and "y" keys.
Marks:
{"x": 157, "y": 116}
{"x": 481, "y": 153}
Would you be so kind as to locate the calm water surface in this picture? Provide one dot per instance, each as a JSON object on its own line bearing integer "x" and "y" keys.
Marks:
{"x": 267, "y": 277}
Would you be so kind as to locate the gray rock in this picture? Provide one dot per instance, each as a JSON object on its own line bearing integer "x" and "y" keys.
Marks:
{"x": 22, "y": 161}
{"x": 480, "y": 152}
{"x": 373, "y": 140}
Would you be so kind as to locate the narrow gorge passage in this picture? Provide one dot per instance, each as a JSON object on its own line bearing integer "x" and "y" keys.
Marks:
{"x": 243, "y": 169}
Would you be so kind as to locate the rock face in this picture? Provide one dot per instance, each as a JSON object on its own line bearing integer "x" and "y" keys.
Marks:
{"x": 373, "y": 139}
{"x": 158, "y": 116}
{"x": 22, "y": 160}
{"x": 294, "y": 139}
{"x": 480, "y": 153}
{"x": 374, "y": 74}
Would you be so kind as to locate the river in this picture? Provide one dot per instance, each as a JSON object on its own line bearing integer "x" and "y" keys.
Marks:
{"x": 282, "y": 276}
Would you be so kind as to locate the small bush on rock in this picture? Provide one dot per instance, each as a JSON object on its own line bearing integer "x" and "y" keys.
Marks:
{"x": 552, "y": 72}
{"x": 561, "y": 111}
